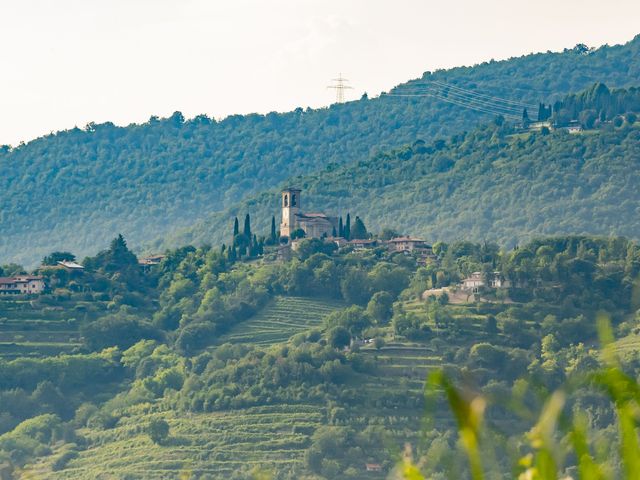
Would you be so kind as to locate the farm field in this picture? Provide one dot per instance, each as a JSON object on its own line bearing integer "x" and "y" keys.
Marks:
{"x": 282, "y": 318}
{"x": 235, "y": 443}
{"x": 208, "y": 445}
{"x": 30, "y": 329}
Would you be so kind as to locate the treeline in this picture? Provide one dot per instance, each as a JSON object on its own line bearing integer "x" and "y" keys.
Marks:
{"x": 77, "y": 189}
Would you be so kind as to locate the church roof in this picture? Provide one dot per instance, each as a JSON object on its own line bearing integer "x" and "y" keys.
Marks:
{"x": 312, "y": 215}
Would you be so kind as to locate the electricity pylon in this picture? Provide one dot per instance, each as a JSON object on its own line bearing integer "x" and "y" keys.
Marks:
{"x": 339, "y": 86}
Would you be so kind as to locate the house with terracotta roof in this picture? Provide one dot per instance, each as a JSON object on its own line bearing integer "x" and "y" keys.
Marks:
{"x": 408, "y": 244}
{"x": 363, "y": 243}
{"x": 22, "y": 285}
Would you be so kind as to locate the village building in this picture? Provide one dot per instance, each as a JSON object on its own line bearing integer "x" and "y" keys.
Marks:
{"x": 151, "y": 260}
{"x": 475, "y": 281}
{"x": 373, "y": 467}
{"x": 362, "y": 244}
{"x": 22, "y": 285}
{"x": 314, "y": 225}
{"x": 409, "y": 244}
{"x": 574, "y": 126}
{"x": 147, "y": 263}
{"x": 71, "y": 266}
{"x": 339, "y": 241}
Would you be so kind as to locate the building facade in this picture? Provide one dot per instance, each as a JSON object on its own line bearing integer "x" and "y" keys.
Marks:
{"x": 408, "y": 244}
{"x": 22, "y": 285}
{"x": 314, "y": 225}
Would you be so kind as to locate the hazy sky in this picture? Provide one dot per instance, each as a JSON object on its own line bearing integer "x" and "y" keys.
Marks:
{"x": 68, "y": 62}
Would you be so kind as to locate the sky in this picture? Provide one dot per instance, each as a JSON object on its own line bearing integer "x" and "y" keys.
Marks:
{"x": 65, "y": 63}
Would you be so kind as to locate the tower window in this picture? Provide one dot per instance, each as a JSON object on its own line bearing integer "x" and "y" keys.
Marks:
{"x": 293, "y": 199}
{"x": 286, "y": 200}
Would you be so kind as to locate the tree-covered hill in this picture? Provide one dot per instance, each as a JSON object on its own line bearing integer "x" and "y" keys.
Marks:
{"x": 489, "y": 184}
{"x": 75, "y": 189}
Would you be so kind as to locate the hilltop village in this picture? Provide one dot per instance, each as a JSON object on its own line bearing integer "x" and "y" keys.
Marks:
{"x": 296, "y": 229}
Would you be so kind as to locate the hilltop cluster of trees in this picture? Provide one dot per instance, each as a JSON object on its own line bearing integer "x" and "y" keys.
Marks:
{"x": 594, "y": 106}
{"x": 149, "y": 179}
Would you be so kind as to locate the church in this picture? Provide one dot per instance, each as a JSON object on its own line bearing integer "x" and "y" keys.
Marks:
{"x": 314, "y": 225}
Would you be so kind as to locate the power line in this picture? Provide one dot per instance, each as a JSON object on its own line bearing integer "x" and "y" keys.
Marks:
{"x": 340, "y": 86}
{"x": 458, "y": 103}
{"x": 506, "y": 109}
{"x": 490, "y": 97}
{"x": 475, "y": 94}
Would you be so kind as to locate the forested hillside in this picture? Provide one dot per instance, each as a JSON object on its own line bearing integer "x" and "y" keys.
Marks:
{"x": 489, "y": 184}
{"x": 76, "y": 189}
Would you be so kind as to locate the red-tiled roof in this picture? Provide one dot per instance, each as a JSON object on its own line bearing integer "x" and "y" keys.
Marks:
{"x": 311, "y": 215}
{"x": 19, "y": 279}
{"x": 405, "y": 239}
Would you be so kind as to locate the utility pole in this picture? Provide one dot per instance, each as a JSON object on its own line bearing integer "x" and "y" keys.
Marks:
{"x": 340, "y": 86}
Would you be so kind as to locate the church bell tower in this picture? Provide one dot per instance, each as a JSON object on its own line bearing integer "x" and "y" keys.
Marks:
{"x": 290, "y": 207}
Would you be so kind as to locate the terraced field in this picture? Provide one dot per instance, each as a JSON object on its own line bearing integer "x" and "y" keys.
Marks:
{"x": 207, "y": 445}
{"x": 215, "y": 445}
{"x": 29, "y": 329}
{"x": 280, "y": 320}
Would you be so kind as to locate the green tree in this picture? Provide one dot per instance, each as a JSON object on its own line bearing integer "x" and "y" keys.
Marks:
{"x": 236, "y": 227}
{"x": 359, "y": 231}
{"x": 273, "y": 236}
{"x": 247, "y": 227}
{"x": 339, "y": 337}
{"x": 158, "y": 430}
{"x": 55, "y": 257}
{"x": 380, "y": 307}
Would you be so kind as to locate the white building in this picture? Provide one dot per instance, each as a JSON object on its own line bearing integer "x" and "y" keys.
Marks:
{"x": 475, "y": 281}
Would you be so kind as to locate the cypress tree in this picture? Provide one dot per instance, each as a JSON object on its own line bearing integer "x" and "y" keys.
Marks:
{"x": 273, "y": 229}
{"x": 359, "y": 230}
{"x": 340, "y": 228}
{"x": 333, "y": 232}
{"x": 347, "y": 227}
{"x": 236, "y": 228}
{"x": 247, "y": 227}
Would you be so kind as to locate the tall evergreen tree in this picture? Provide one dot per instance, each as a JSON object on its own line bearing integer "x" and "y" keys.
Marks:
{"x": 359, "y": 230}
{"x": 525, "y": 118}
{"x": 273, "y": 236}
{"x": 247, "y": 227}
{"x": 334, "y": 233}
{"x": 340, "y": 228}
{"x": 236, "y": 227}
{"x": 347, "y": 227}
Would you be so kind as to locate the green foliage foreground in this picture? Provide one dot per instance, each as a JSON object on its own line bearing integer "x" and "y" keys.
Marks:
{"x": 558, "y": 434}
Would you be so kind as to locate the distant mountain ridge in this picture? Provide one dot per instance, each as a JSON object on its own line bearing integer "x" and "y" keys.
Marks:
{"x": 77, "y": 189}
